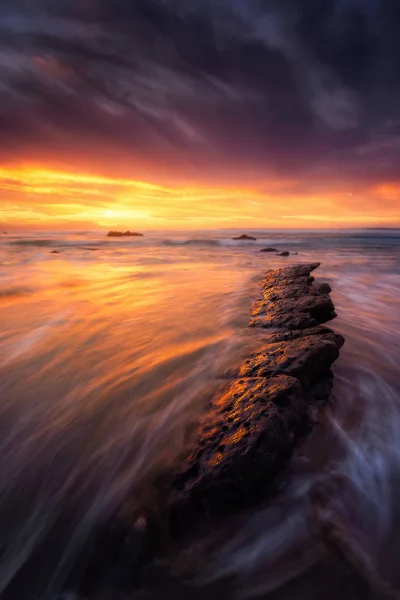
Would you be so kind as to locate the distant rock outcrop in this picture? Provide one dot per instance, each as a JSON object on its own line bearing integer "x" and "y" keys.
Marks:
{"x": 269, "y": 250}
{"x": 285, "y": 253}
{"x": 245, "y": 237}
{"x": 55, "y": 252}
{"x": 124, "y": 234}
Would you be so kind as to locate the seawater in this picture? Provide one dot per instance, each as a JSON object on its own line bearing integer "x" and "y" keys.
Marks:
{"x": 109, "y": 351}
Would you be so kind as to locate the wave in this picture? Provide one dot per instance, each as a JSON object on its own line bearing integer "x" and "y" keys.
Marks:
{"x": 56, "y": 243}
{"x": 93, "y": 243}
{"x": 41, "y": 243}
{"x": 192, "y": 242}
{"x": 215, "y": 242}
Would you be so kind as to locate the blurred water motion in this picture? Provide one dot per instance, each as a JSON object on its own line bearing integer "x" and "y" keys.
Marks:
{"x": 108, "y": 351}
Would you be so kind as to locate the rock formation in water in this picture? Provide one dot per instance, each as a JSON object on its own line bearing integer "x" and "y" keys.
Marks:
{"x": 245, "y": 237}
{"x": 124, "y": 234}
{"x": 292, "y": 300}
{"x": 269, "y": 250}
{"x": 249, "y": 433}
{"x": 55, "y": 252}
{"x": 285, "y": 253}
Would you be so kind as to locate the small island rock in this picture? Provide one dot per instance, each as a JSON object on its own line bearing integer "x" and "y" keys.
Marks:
{"x": 124, "y": 234}
{"x": 285, "y": 253}
{"x": 268, "y": 250}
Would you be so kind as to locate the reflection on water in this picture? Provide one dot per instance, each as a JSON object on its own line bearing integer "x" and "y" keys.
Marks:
{"x": 106, "y": 356}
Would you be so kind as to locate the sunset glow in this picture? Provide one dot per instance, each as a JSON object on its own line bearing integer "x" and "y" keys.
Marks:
{"x": 34, "y": 197}
{"x": 212, "y": 116}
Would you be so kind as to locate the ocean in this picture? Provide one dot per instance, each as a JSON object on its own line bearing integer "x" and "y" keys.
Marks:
{"x": 108, "y": 352}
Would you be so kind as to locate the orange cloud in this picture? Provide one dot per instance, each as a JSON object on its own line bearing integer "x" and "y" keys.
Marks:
{"x": 388, "y": 191}
{"x": 41, "y": 197}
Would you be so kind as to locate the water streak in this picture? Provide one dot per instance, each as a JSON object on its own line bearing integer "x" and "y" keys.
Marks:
{"x": 107, "y": 356}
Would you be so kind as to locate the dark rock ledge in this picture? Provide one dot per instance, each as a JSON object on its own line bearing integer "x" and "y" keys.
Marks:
{"x": 124, "y": 234}
{"x": 248, "y": 434}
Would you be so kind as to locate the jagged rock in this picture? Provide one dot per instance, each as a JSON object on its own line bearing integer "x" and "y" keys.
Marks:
{"x": 304, "y": 357}
{"x": 124, "y": 234}
{"x": 247, "y": 436}
{"x": 291, "y": 300}
{"x": 245, "y": 237}
{"x": 268, "y": 250}
{"x": 249, "y": 433}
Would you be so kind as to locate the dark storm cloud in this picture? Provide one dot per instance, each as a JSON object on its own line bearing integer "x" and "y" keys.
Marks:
{"x": 298, "y": 86}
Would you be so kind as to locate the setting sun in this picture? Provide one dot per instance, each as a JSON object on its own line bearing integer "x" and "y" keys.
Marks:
{"x": 37, "y": 197}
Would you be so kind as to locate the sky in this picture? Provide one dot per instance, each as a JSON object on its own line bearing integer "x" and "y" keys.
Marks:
{"x": 203, "y": 113}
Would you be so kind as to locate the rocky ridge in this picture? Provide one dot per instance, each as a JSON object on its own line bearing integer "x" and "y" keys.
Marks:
{"x": 245, "y": 438}
{"x": 249, "y": 433}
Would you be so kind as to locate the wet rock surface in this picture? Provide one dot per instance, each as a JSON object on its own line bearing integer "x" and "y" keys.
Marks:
{"x": 303, "y": 358}
{"x": 292, "y": 300}
{"x": 249, "y": 432}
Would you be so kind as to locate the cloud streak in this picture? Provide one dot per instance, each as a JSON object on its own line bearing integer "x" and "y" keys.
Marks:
{"x": 41, "y": 197}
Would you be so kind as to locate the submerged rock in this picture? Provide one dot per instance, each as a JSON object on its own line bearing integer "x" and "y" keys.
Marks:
{"x": 245, "y": 237}
{"x": 269, "y": 250}
{"x": 124, "y": 234}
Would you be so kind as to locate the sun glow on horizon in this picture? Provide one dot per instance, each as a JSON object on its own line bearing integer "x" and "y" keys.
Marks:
{"x": 39, "y": 197}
